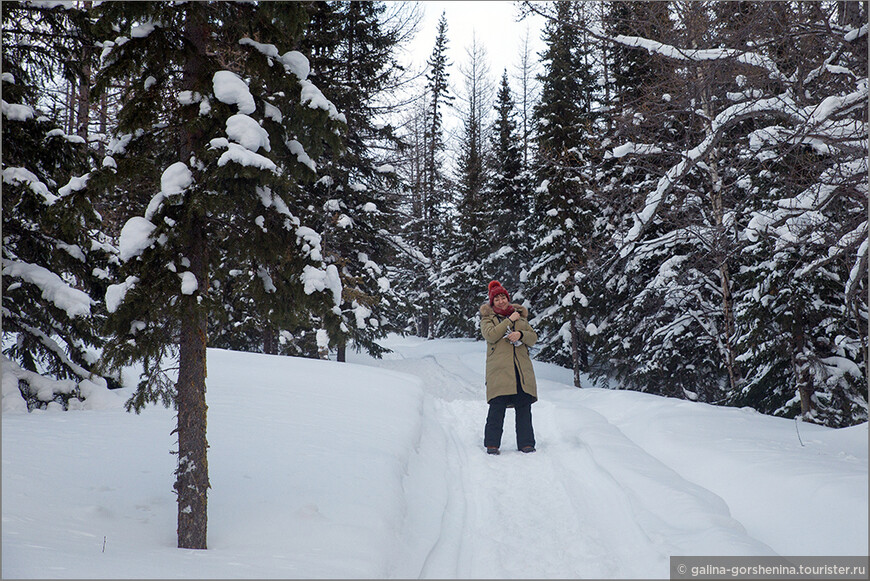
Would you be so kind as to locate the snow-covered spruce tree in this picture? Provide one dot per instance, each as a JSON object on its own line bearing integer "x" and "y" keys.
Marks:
{"x": 633, "y": 105}
{"x": 507, "y": 198}
{"x": 54, "y": 257}
{"x": 411, "y": 262}
{"x": 563, "y": 208}
{"x": 429, "y": 229}
{"x": 218, "y": 127}
{"x": 462, "y": 283}
{"x": 353, "y": 47}
{"x": 790, "y": 361}
{"x": 674, "y": 334}
{"x": 802, "y": 303}
{"x": 769, "y": 104}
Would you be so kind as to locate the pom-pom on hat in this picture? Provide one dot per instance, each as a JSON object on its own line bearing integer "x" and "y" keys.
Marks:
{"x": 495, "y": 288}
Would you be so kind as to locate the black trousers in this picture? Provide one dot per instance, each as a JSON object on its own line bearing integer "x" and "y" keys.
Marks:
{"x": 495, "y": 425}
{"x": 522, "y": 404}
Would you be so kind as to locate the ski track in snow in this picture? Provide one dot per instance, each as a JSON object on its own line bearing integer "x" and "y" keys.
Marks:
{"x": 376, "y": 469}
{"x": 590, "y": 494}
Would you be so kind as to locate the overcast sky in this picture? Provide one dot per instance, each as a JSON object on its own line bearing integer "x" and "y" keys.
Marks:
{"x": 493, "y": 23}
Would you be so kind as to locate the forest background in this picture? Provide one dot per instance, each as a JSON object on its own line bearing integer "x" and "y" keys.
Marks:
{"x": 677, "y": 190}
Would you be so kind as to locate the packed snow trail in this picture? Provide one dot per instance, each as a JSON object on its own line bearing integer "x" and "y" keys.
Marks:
{"x": 591, "y": 503}
{"x": 375, "y": 469}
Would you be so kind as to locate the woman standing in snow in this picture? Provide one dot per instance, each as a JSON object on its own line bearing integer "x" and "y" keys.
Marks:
{"x": 510, "y": 379}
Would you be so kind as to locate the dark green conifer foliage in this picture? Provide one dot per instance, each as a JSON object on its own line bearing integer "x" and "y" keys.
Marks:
{"x": 54, "y": 258}
{"x": 563, "y": 206}
{"x": 218, "y": 126}
{"x": 353, "y": 57}
{"x": 430, "y": 228}
{"x": 507, "y": 198}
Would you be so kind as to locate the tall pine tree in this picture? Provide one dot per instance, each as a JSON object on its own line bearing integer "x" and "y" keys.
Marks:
{"x": 563, "y": 202}
{"x": 431, "y": 228}
{"x": 54, "y": 255}
{"x": 218, "y": 128}
{"x": 507, "y": 198}
{"x": 354, "y": 58}
{"x": 462, "y": 282}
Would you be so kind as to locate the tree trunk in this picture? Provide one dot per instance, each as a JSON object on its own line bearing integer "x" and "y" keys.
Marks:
{"x": 724, "y": 274}
{"x": 270, "y": 341}
{"x": 71, "y": 108}
{"x": 718, "y": 213}
{"x": 800, "y": 362}
{"x": 104, "y": 119}
{"x": 730, "y": 327}
{"x": 804, "y": 386}
{"x": 192, "y": 475}
{"x": 84, "y": 97}
{"x": 575, "y": 350}
{"x": 192, "y": 482}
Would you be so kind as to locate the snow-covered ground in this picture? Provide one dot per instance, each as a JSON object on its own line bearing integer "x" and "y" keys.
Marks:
{"x": 375, "y": 469}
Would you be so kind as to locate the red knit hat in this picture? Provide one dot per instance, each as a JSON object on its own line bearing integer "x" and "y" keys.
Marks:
{"x": 495, "y": 288}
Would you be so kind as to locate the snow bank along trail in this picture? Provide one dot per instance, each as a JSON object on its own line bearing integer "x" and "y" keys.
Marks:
{"x": 590, "y": 503}
{"x": 375, "y": 469}
{"x": 307, "y": 463}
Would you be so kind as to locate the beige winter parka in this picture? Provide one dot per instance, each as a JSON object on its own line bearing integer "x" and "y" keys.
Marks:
{"x": 502, "y": 356}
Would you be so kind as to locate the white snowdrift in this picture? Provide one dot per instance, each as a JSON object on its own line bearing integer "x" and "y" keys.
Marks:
{"x": 374, "y": 469}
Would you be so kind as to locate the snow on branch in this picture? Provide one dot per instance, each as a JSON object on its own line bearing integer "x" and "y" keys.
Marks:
{"x": 229, "y": 88}
{"x": 633, "y": 148}
{"x": 296, "y": 63}
{"x": 20, "y": 176}
{"x": 115, "y": 293}
{"x": 835, "y": 252}
{"x": 317, "y": 280}
{"x": 76, "y": 303}
{"x": 88, "y": 393}
{"x": 780, "y": 105}
{"x": 398, "y": 243}
{"x": 819, "y": 117}
{"x": 135, "y": 237}
{"x": 855, "y": 34}
{"x": 811, "y": 199}
{"x": 76, "y": 184}
{"x": 45, "y": 387}
{"x": 859, "y": 269}
{"x": 58, "y": 351}
{"x": 15, "y": 112}
{"x": 815, "y": 125}
{"x": 709, "y": 54}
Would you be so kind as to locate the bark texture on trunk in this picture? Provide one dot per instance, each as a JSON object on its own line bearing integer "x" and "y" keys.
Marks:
{"x": 575, "y": 350}
{"x": 192, "y": 482}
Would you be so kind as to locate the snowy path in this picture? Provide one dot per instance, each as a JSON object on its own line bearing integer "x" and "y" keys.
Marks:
{"x": 375, "y": 469}
{"x": 591, "y": 503}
